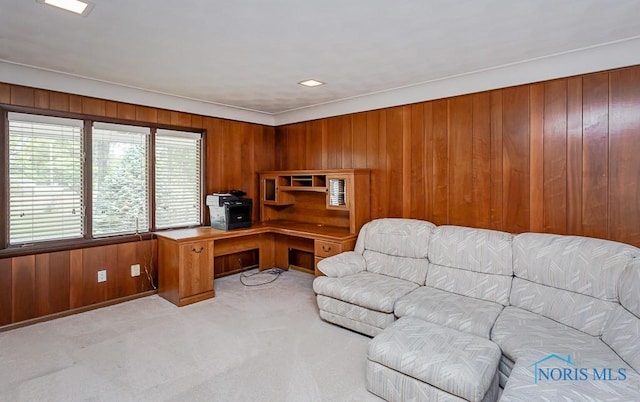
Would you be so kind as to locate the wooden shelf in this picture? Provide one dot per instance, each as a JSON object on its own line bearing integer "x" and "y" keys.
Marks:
{"x": 301, "y": 188}
{"x": 332, "y": 197}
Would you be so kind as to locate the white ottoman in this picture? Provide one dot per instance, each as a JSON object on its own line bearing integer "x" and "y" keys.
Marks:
{"x": 414, "y": 360}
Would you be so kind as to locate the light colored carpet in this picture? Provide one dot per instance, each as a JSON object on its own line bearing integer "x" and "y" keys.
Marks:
{"x": 247, "y": 344}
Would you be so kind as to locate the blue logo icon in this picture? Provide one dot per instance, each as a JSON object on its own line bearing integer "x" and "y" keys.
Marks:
{"x": 557, "y": 368}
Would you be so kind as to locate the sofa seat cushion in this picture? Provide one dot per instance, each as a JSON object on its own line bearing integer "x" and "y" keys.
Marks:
{"x": 374, "y": 318}
{"x": 451, "y": 310}
{"x": 575, "y": 381}
{"x": 366, "y": 289}
{"x": 519, "y": 332}
{"x": 458, "y": 363}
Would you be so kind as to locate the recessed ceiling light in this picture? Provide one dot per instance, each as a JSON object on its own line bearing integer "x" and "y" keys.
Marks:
{"x": 311, "y": 83}
{"x": 75, "y": 6}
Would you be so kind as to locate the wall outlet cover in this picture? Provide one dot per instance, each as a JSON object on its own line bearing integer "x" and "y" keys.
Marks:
{"x": 135, "y": 270}
{"x": 102, "y": 275}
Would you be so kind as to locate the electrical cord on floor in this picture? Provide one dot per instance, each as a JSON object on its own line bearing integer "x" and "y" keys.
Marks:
{"x": 275, "y": 272}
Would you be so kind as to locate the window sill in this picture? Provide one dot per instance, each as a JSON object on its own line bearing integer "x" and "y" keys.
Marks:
{"x": 63, "y": 245}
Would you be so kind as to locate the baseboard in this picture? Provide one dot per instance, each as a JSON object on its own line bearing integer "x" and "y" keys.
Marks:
{"x": 83, "y": 309}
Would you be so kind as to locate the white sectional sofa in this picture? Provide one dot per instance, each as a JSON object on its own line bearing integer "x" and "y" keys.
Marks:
{"x": 562, "y": 312}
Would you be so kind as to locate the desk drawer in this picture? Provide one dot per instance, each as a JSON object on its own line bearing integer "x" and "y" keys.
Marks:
{"x": 327, "y": 248}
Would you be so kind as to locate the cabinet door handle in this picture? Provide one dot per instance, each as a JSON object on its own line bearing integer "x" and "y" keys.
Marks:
{"x": 325, "y": 248}
{"x": 197, "y": 251}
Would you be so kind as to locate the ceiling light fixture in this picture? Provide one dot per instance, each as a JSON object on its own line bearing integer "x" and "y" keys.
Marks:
{"x": 311, "y": 83}
{"x": 75, "y": 6}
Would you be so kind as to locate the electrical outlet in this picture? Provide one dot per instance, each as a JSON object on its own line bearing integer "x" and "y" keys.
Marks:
{"x": 102, "y": 275}
{"x": 135, "y": 270}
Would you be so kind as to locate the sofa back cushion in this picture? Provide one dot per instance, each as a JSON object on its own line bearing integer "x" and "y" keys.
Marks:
{"x": 471, "y": 262}
{"x": 622, "y": 331}
{"x": 570, "y": 279}
{"x": 396, "y": 247}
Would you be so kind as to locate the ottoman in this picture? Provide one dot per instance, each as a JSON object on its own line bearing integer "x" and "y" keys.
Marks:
{"x": 415, "y": 360}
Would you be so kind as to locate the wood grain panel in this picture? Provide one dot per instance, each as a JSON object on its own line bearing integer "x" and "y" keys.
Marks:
{"x": 6, "y": 293}
{"x": 346, "y": 149}
{"x": 59, "y": 101}
{"x": 406, "y": 161}
{"x": 394, "y": 160}
{"x": 42, "y": 277}
{"x": 232, "y": 155}
{"x": 164, "y": 116}
{"x": 333, "y": 144}
{"x": 59, "y": 281}
{"x": 574, "y": 156}
{"x": 555, "y": 157}
{"x": 428, "y": 160}
{"x": 180, "y": 119}
{"x": 23, "y": 288}
{"x": 95, "y": 259}
{"x": 126, "y": 111}
{"x": 22, "y": 96}
{"x": 312, "y": 144}
{"x": 624, "y": 152}
{"x": 515, "y": 159}
{"x": 126, "y": 284}
{"x": 536, "y": 161}
{"x": 481, "y": 160}
{"x": 75, "y": 103}
{"x": 461, "y": 160}
{"x": 247, "y": 169}
{"x": 418, "y": 173}
{"x": 373, "y": 162}
{"x": 141, "y": 253}
{"x": 497, "y": 177}
{"x": 94, "y": 107}
{"x": 196, "y": 120}
{"x": 76, "y": 290}
{"x": 359, "y": 132}
{"x": 41, "y": 99}
{"x": 595, "y": 159}
{"x": 440, "y": 131}
{"x": 111, "y": 109}
{"x": 5, "y": 93}
{"x": 146, "y": 114}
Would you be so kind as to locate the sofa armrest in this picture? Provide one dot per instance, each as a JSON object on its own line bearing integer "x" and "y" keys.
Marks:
{"x": 342, "y": 264}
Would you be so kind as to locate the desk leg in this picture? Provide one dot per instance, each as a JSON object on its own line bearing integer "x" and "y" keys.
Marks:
{"x": 267, "y": 255}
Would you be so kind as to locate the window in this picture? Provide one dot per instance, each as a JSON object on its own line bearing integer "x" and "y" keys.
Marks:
{"x": 120, "y": 179}
{"x": 75, "y": 178}
{"x": 178, "y": 178}
{"x": 45, "y": 178}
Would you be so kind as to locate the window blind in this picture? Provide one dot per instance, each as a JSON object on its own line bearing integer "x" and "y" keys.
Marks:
{"x": 45, "y": 178}
{"x": 120, "y": 179}
{"x": 178, "y": 179}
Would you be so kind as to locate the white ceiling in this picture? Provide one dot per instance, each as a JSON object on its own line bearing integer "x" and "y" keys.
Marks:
{"x": 242, "y": 59}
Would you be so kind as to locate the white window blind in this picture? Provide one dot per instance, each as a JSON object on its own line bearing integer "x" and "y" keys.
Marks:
{"x": 45, "y": 178}
{"x": 120, "y": 179}
{"x": 178, "y": 179}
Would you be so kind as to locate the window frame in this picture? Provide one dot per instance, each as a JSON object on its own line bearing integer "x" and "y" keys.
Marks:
{"x": 202, "y": 167}
{"x": 47, "y": 125}
{"x": 15, "y": 250}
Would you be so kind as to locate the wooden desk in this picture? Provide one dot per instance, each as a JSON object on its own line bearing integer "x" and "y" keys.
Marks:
{"x": 186, "y": 256}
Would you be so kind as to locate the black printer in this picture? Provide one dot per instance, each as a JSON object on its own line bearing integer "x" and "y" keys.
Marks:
{"x": 229, "y": 211}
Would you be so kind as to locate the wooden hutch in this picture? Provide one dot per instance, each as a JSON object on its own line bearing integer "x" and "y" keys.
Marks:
{"x": 306, "y": 215}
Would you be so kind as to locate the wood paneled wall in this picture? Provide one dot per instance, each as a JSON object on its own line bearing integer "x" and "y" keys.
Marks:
{"x": 561, "y": 156}
{"x": 37, "y": 285}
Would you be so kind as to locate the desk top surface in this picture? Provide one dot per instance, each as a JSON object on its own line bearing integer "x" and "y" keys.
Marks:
{"x": 299, "y": 229}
